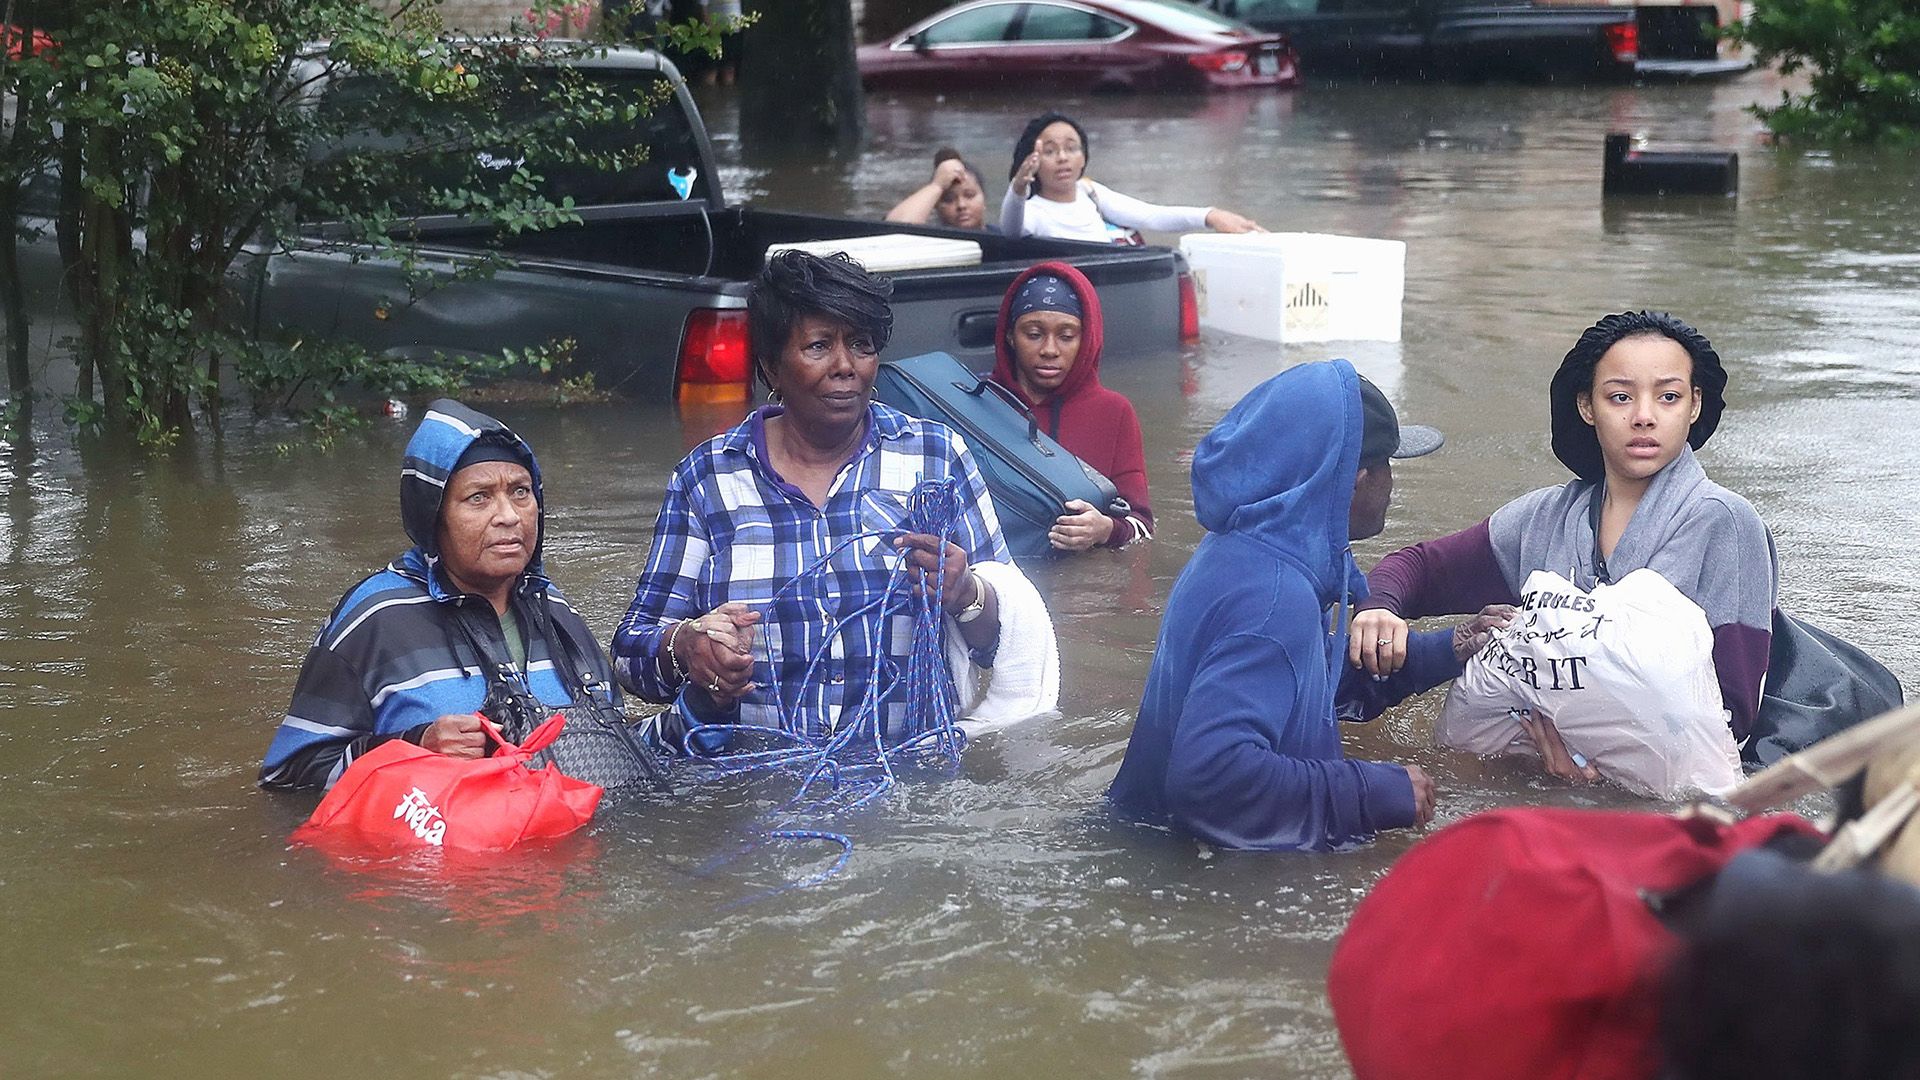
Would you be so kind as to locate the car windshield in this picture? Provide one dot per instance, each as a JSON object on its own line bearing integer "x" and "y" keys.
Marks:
{"x": 1179, "y": 17}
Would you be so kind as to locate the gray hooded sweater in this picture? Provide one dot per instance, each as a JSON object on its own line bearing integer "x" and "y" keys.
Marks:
{"x": 1704, "y": 540}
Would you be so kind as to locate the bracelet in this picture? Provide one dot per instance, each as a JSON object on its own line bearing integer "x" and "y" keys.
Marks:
{"x": 679, "y": 669}
{"x": 978, "y": 605}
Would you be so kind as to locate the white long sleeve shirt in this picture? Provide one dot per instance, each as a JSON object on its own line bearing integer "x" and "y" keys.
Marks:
{"x": 1097, "y": 213}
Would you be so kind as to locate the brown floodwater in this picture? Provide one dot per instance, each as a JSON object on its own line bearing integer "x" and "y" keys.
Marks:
{"x": 153, "y": 613}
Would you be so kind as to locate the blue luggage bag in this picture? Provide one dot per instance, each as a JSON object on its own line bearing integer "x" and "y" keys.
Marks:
{"x": 1030, "y": 476}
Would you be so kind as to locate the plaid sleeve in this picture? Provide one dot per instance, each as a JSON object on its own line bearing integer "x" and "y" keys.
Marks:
{"x": 665, "y": 591}
{"x": 979, "y": 527}
{"x": 978, "y": 530}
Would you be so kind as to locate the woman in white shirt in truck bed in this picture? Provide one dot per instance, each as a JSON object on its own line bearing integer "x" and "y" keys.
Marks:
{"x": 1049, "y": 195}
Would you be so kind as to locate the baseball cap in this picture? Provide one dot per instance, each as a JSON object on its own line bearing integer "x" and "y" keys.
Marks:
{"x": 1383, "y": 436}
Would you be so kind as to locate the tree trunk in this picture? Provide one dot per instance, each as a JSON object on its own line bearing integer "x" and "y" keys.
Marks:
{"x": 69, "y": 234}
{"x": 170, "y": 364}
{"x": 104, "y": 238}
{"x": 799, "y": 87}
{"x": 13, "y": 300}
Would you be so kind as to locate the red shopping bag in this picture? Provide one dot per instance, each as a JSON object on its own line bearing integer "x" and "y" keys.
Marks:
{"x": 398, "y": 796}
{"x": 1518, "y": 945}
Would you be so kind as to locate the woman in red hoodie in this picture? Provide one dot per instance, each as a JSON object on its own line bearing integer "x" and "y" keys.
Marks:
{"x": 1047, "y": 351}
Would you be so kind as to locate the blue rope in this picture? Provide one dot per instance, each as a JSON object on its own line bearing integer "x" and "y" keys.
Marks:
{"x": 852, "y": 765}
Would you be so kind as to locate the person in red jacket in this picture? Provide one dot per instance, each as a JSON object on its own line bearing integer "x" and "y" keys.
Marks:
{"x": 1047, "y": 351}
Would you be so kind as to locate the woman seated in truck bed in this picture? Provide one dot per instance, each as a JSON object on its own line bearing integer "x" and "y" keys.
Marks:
{"x": 956, "y": 193}
{"x": 1048, "y": 194}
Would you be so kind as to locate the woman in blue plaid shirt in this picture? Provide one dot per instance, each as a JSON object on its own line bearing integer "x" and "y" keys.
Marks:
{"x": 752, "y": 508}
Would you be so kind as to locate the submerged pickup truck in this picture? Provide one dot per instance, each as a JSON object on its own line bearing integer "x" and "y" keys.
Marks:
{"x": 650, "y": 286}
{"x": 1535, "y": 40}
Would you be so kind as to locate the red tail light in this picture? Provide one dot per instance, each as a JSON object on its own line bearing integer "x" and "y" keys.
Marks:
{"x": 713, "y": 355}
{"x": 1229, "y": 61}
{"x": 1189, "y": 309}
{"x": 1624, "y": 40}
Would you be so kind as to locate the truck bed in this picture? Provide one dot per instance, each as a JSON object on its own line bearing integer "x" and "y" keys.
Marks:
{"x": 626, "y": 282}
{"x": 946, "y": 309}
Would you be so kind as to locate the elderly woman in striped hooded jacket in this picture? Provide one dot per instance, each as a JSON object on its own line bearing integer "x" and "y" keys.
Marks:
{"x": 463, "y": 617}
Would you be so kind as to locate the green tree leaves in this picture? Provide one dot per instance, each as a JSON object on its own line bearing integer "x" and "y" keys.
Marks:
{"x": 1863, "y": 63}
{"x": 191, "y": 132}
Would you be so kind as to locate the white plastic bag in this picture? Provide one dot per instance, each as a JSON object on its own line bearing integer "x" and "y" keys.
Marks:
{"x": 1625, "y": 673}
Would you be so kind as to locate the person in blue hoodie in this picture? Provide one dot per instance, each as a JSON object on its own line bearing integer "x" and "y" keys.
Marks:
{"x": 1237, "y": 740}
{"x": 465, "y": 618}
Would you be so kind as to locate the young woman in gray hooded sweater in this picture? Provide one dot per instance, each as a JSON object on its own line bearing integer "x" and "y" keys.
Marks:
{"x": 1634, "y": 397}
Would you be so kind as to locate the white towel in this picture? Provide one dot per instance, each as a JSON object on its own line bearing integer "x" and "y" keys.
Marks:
{"x": 1024, "y": 681}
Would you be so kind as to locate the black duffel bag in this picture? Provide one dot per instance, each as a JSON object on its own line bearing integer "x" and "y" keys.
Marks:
{"x": 1030, "y": 476}
{"x": 1817, "y": 684}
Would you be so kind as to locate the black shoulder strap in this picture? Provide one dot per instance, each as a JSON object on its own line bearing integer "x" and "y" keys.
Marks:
{"x": 570, "y": 661}
{"x": 1595, "y": 499}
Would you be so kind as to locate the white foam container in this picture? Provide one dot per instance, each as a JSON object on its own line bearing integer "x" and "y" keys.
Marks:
{"x": 888, "y": 252}
{"x": 1298, "y": 287}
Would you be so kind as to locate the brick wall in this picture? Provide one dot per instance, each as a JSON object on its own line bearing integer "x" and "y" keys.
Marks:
{"x": 489, "y": 16}
{"x": 872, "y": 19}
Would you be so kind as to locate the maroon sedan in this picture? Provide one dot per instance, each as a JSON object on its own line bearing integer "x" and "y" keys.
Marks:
{"x": 1079, "y": 45}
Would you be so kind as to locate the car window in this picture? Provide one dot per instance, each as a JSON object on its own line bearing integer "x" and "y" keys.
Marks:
{"x": 1177, "y": 16}
{"x": 1252, "y": 10}
{"x": 1255, "y": 10}
{"x": 1051, "y": 22}
{"x": 972, "y": 26}
{"x": 665, "y": 131}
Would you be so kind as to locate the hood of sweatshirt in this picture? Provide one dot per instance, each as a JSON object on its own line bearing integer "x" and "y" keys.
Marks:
{"x": 1279, "y": 468}
{"x": 446, "y": 431}
{"x": 1086, "y": 367}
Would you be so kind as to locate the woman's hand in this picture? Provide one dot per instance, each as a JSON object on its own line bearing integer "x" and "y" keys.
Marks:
{"x": 948, "y": 173}
{"x": 717, "y": 650}
{"x": 1471, "y": 636}
{"x": 1023, "y": 176}
{"x": 1227, "y": 221}
{"x": 1426, "y": 795}
{"x": 923, "y": 554}
{"x": 1554, "y": 754}
{"x": 1084, "y": 528}
{"x": 1377, "y": 642}
{"x": 456, "y": 735}
{"x": 913, "y": 209}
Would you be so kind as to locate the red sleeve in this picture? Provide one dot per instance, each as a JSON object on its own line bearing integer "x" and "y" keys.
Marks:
{"x": 1128, "y": 471}
{"x": 1129, "y": 527}
{"x": 1450, "y": 575}
{"x": 1740, "y": 661}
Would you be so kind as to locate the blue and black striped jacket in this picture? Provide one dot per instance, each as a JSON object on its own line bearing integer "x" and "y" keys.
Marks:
{"x": 402, "y": 648}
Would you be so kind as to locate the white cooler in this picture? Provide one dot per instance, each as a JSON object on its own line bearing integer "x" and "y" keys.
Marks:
{"x": 1298, "y": 287}
{"x": 893, "y": 251}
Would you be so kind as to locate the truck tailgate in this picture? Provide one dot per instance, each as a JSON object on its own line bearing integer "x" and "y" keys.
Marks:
{"x": 952, "y": 310}
{"x": 955, "y": 310}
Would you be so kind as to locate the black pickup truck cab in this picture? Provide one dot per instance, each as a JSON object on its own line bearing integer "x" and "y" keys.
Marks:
{"x": 1507, "y": 39}
{"x": 650, "y": 287}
